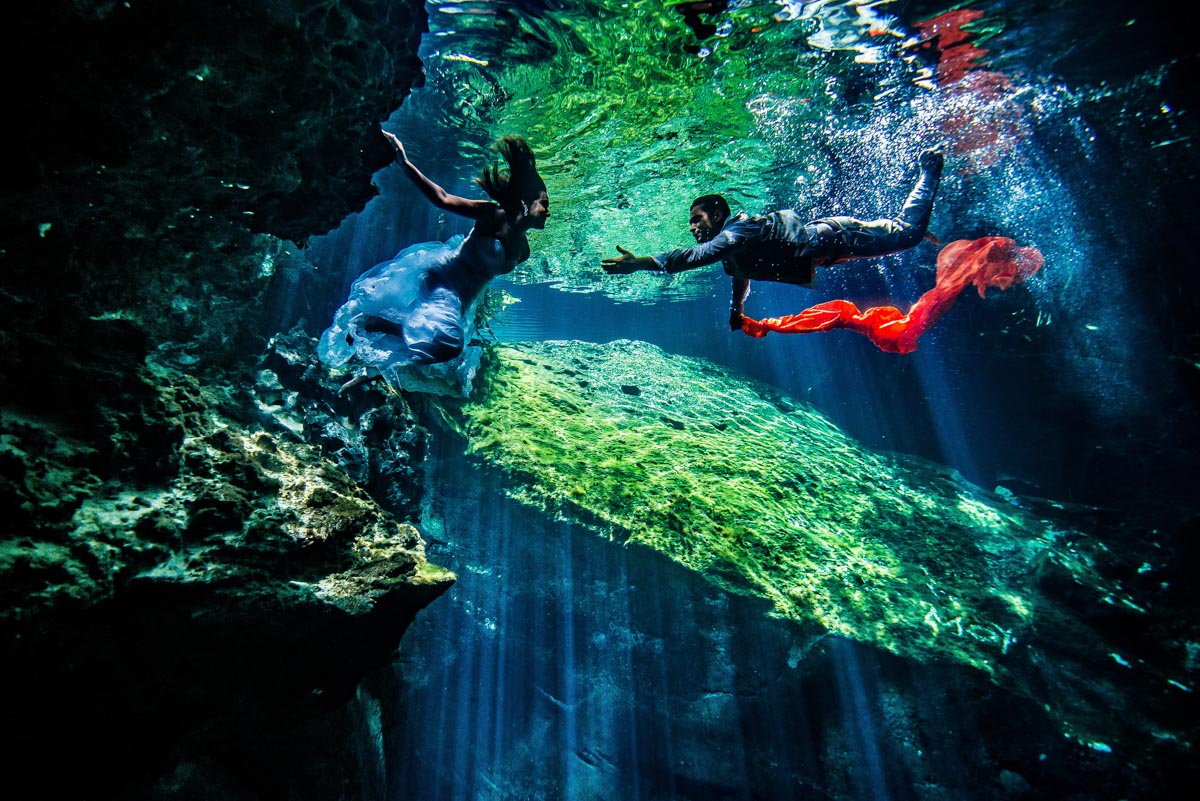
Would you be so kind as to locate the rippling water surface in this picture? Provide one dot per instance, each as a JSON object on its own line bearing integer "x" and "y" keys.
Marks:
{"x": 637, "y": 107}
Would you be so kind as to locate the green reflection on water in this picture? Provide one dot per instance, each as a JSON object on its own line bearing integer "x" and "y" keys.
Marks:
{"x": 630, "y": 124}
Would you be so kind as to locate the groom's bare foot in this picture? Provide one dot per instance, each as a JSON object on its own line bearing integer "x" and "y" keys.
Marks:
{"x": 931, "y": 159}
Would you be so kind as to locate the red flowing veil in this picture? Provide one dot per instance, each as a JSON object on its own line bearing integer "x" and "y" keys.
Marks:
{"x": 992, "y": 261}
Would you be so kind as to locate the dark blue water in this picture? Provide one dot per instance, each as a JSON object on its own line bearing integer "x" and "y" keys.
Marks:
{"x": 564, "y": 666}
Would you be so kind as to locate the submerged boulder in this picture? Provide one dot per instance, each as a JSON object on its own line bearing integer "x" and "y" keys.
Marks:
{"x": 187, "y": 580}
{"x": 192, "y": 590}
{"x": 765, "y": 497}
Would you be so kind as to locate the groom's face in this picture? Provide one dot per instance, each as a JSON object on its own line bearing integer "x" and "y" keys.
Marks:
{"x": 704, "y": 225}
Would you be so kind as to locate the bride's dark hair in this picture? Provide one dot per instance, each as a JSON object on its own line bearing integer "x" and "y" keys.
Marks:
{"x": 519, "y": 181}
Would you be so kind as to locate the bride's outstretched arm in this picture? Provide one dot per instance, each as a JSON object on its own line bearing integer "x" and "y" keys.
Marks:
{"x": 439, "y": 197}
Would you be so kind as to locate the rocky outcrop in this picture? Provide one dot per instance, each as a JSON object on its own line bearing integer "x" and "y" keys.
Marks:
{"x": 1081, "y": 622}
{"x": 377, "y": 442}
{"x": 262, "y": 112}
{"x": 183, "y": 572}
{"x": 156, "y": 140}
{"x": 195, "y": 578}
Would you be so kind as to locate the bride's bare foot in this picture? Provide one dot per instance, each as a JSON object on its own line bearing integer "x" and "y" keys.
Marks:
{"x": 361, "y": 378}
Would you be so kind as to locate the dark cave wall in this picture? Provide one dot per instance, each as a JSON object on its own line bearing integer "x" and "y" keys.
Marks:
{"x": 155, "y": 140}
{"x": 194, "y": 580}
{"x": 265, "y": 113}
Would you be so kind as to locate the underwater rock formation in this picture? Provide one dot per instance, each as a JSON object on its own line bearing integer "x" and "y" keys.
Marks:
{"x": 186, "y": 578}
{"x": 195, "y": 581}
{"x": 262, "y": 112}
{"x": 157, "y": 139}
{"x": 764, "y": 497}
{"x": 374, "y": 438}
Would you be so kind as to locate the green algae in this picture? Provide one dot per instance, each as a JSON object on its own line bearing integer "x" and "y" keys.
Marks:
{"x": 214, "y": 501}
{"x": 760, "y": 494}
{"x": 763, "y": 496}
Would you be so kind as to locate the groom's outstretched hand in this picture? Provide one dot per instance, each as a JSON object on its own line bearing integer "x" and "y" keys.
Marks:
{"x": 627, "y": 263}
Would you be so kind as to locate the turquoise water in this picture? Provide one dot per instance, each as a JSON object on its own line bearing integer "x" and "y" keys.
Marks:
{"x": 1043, "y": 436}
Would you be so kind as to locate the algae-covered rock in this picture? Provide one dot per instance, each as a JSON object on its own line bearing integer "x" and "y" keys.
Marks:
{"x": 182, "y": 571}
{"x": 185, "y": 580}
{"x": 764, "y": 496}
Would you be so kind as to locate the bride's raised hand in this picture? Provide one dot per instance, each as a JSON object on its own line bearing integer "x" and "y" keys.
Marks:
{"x": 396, "y": 143}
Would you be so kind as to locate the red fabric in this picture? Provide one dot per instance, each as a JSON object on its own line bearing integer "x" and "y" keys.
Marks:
{"x": 956, "y": 52}
{"x": 978, "y": 112}
{"x": 993, "y": 261}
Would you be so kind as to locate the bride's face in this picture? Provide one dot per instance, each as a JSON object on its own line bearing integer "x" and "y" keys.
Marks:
{"x": 537, "y": 211}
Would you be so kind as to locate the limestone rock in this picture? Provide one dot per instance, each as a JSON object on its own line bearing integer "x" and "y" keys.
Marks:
{"x": 764, "y": 497}
{"x": 266, "y": 112}
{"x": 192, "y": 590}
{"x": 177, "y": 574}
